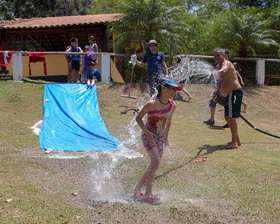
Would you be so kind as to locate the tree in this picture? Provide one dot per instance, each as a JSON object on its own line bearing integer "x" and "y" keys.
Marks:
{"x": 263, "y": 4}
{"x": 108, "y": 6}
{"x": 10, "y": 9}
{"x": 148, "y": 19}
{"x": 242, "y": 31}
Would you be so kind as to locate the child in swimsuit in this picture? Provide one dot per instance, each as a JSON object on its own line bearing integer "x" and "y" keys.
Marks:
{"x": 154, "y": 136}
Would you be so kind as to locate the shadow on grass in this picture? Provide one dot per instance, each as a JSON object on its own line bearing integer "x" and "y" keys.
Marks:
{"x": 209, "y": 149}
{"x": 216, "y": 127}
{"x": 176, "y": 168}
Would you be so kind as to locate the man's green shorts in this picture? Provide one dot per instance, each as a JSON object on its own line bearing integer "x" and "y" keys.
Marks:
{"x": 233, "y": 103}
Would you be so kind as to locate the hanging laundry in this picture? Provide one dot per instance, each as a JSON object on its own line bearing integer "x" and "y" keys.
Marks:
{"x": 37, "y": 57}
{"x": 5, "y": 57}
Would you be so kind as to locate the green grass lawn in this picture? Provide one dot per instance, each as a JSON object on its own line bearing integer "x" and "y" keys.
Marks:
{"x": 232, "y": 186}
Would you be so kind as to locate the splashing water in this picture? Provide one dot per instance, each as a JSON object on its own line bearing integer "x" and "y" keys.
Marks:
{"x": 107, "y": 184}
{"x": 105, "y": 178}
{"x": 37, "y": 127}
{"x": 193, "y": 71}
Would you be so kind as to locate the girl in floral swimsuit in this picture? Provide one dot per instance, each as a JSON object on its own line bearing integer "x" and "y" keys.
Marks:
{"x": 154, "y": 136}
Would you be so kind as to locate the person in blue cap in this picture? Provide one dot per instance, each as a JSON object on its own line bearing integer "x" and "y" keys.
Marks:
{"x": 159, "y": 111}
{"x": 155, "y": 61}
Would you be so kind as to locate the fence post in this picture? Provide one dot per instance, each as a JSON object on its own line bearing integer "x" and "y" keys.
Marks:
{"x": 105, "y": 68}
{"x": 17, "y": 66}
{"x": 260, "y": 72}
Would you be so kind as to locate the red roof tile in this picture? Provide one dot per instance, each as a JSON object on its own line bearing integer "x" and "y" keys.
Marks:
{"x": 60, "y": 21}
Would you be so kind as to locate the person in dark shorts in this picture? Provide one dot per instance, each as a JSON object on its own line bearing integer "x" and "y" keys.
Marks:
{"x": 76, "y": 59}
{"x": 216, "y": 98}
{"x": 242, "y": 84}
{"x": 233, "y": 103}
{"x": 231, "y": 90}
{"x": 155, "y": 61}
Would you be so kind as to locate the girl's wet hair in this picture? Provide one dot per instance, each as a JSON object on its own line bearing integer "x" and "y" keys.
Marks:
{"x": 159, "y": 90}
{"x": 162, "y": 79}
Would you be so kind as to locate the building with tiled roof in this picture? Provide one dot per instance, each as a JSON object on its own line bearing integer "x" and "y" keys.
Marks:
{"x": 54, "y": 33}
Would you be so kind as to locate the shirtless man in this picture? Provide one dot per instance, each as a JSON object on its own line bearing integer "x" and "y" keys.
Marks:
{"x": 232, "y": 91}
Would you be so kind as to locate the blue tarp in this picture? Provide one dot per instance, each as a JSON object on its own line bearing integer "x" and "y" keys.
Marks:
{"x": 72, "y": 121}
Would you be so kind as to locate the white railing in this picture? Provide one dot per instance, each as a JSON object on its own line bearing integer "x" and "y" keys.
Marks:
{"x": 105, "y": 63}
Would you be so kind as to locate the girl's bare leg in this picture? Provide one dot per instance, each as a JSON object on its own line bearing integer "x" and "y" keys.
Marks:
{"x": 149, "y": 174}
{"x": 92, "y": 82}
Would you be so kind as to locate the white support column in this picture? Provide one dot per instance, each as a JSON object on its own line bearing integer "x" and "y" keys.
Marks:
{"x": 105, "y": 68}
{"x": 17, "y": 67}
{"x": 260, "y": 72}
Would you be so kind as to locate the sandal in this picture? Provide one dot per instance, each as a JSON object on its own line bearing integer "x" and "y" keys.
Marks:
{"x": 138, "y": 196}
{"x": 48, "y": 151}
{"x": 152, "y": 199}
{"x": 200, "y": 160}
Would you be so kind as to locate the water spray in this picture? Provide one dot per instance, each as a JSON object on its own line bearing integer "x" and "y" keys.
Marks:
{"x": 133, "y": 62}
{"x": 252, "y": 126}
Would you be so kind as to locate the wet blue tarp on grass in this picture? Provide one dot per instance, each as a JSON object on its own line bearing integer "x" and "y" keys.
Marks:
{"x": 72, "y": 121}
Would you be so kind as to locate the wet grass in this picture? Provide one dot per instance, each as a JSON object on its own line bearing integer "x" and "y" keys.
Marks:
{"x": 232, "y": 186}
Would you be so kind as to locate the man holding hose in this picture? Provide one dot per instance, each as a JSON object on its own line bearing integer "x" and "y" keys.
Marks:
{"x": 232, "y": 91}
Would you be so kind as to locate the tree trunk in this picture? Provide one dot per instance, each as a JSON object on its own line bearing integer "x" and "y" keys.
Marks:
{"x": 66, "y": 5}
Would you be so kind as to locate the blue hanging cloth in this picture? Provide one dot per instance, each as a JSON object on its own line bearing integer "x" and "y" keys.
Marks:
{"x": 72, "y": 121}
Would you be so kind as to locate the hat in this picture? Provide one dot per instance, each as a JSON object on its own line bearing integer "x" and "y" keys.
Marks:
{"x": 152, "y": 42}
{"x": 170, "y": 82}
{"x": 92, "y": 63}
